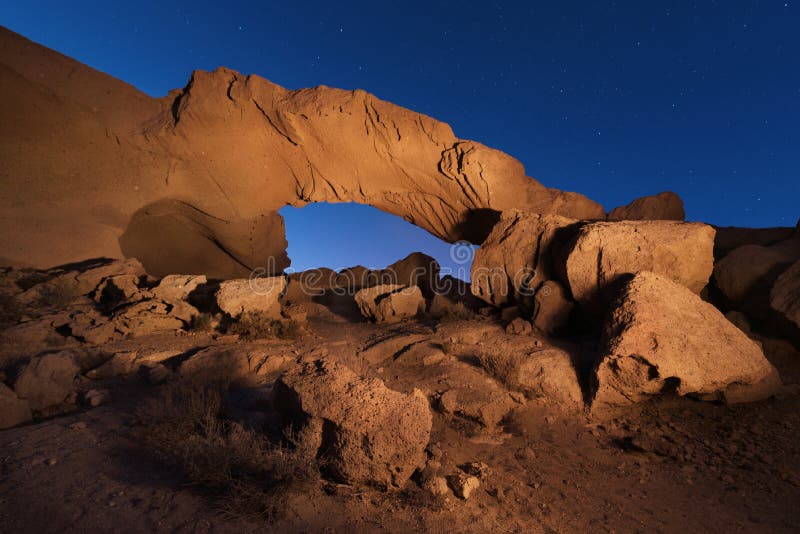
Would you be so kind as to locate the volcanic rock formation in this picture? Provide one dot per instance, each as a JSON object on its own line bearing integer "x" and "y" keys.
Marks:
{"x": 191, "y": 182}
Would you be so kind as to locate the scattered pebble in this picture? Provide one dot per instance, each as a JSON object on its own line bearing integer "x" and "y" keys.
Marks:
{"x": 463, "y": 485}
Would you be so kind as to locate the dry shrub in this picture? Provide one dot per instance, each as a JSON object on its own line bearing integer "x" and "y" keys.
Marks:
{"x": 10, "y": 311}
{"x": 257, "y": 325}
{"x": 244, "y": 473}
{"x": 454, "y": 312}
{"x": 56, "y": 294}
{"x": 204, "y": 322}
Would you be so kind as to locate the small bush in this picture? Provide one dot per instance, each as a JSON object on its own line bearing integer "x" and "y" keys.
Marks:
{"x": 204, "y": 322}
{"x": 454, "y": 312}
{"x": 257, "y": 325}
{"x": 56, "y": 294}
{"x": 10, "y": 311}
{"x": 448, "y": 347}
{"x": 245, "y": 474}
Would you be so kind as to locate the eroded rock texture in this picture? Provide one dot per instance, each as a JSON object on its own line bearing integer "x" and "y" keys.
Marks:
{"x": 662, "y": 337}
{"x": 518, "y": 256}
{"x": 192, "y": 181}
{"x": 363, "y": 431}
{"x": 603, "y": 252}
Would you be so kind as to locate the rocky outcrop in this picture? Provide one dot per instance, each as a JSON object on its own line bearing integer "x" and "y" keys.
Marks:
{"x": 666, "y": 206}
{"x": 390, "y": 303}
{"x": 90, "y": 303}
{"x": 662, "y": 337}
{"x": 602, "y": 253}
{"x": 255, "y": 295}
{"x": 192, "y": 182}
{"x": 363, "y": 431}
{"x": 785, "y": 294}
{"x": 518, "y": 256}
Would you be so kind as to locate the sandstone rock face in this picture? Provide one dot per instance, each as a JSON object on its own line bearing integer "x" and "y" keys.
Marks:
{"x": 261, "y": 295}
{"x": 214, "y": 161}
{"x": 666, "y": 206}
{"x": 47, "y": 380}
{"x": 603, "y": 252}
{"x": 13, "y": 410}
{"x": 518, "y": 256}
{"x": 785, "y": 294}
{"x": 365, "y": 432}
{"x": 661, "y": 337}
{"x": 390, "y": 303}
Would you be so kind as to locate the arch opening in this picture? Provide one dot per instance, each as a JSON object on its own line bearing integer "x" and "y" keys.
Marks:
{"x": 343, "y": 235}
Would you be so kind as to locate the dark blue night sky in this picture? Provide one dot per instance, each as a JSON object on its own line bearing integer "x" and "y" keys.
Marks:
{"x": 611, "y": 99}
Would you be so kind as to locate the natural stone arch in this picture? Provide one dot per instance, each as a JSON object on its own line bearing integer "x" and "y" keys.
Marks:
{"x": 98, "y": 156}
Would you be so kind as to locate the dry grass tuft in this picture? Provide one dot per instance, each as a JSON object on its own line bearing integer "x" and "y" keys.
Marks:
{"x": 204, "y": 322}
{"x": 241, "y": 470}
{"x": 256, "y": 325}
{"x": 57, "y": 294}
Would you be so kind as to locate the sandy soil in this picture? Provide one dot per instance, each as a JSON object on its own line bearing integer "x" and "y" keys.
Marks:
{"x": 669, "y": 465}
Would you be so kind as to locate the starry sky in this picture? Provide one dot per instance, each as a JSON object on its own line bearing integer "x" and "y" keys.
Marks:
{"x": 612, "y": 99}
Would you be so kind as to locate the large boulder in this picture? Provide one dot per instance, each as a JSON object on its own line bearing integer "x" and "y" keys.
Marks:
{"x": 785, "y": 294}
{"x": 666, "y": 206}
{"x": 177, "y": 287}
{"x": 603, "y": 252}
{"x": 214, "y": 162}
{"x": 253, "y": 295}
{"x": 545, "y": 374}
{"x": 390, "y": 303}
{"x": 518, "y": 256}
{"x": 748, "y": 272}
{"x": 364, "y": 432}
{"x": 351, "y": 279}
{"x": 305, "y": 286}
{"x": 729, "y": 238}
{"x": 416, "y": 269}
{"x": 13, "y": 410}
{"x": 662, "y": 337}
{"x": 47, "y": 380}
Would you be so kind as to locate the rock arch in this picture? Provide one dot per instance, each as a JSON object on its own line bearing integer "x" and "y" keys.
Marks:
{"x": 92, "y": 160}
